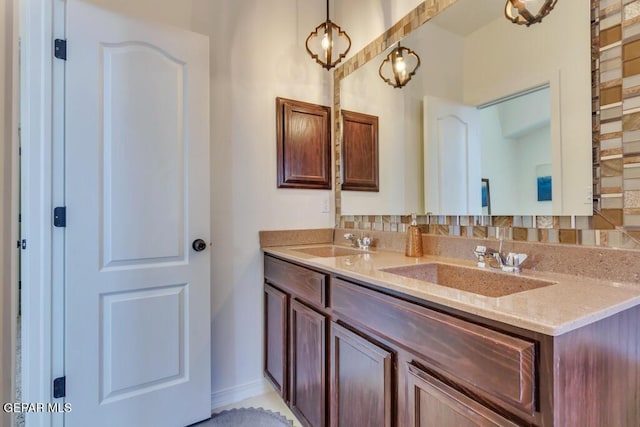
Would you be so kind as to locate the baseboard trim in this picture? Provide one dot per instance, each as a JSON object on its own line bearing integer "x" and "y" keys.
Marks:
{"x": 235, "y": 394}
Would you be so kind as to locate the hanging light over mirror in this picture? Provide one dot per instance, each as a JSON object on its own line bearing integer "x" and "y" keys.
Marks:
{"x": 527, "y": 12}
{"x": 327, "y": 39}
{"x": 399, "y": 65}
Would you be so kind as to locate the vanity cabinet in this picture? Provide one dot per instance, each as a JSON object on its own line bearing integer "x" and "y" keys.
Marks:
{"x": 344, "y": 352}
{"x": 494, "y": 365}
{"x": 276, "y": 317}
{"x": 308, "y": 364}
{"x": 361, "y": 381}
{"x": 342, "y": 355}
{"x": 431, "y": 402}
{"x": 295, "y": 337}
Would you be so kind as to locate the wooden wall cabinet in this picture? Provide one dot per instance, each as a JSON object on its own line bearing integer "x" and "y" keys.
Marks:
{"x": 360, "y": 161}
{"x": 303, "y": 133}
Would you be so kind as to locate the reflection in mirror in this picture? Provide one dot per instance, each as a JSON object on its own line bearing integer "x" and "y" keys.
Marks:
{"x": 502, "y": 149}
{"x": 515, "y": 155}
{"x": 472, "y": 55}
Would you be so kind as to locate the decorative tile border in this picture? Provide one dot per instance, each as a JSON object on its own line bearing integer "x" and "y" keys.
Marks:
{"x": 558, "y": 230}
{"x": 615, "y": 32}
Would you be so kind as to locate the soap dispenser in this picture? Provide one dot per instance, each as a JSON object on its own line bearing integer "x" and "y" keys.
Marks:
{"x": 413, "y": 246}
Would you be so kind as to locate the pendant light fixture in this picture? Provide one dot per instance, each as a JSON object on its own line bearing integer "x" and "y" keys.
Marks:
{"x": 327, "y": 39}
{"x": 399, "y": 65}
{"x": 527, "y": 12}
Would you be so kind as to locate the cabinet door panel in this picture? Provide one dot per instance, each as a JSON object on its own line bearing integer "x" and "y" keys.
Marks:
{"x": 430, "y": 402}
{"x": 275, "y": 338}
{"x": 492, "y": 363}
{"x": 361, "y": 384}
{"x": 306, "y": 284}
{"x": 308, "y": 364}
{"x": 360, "y": 152}
{"x": 304, "y": 144}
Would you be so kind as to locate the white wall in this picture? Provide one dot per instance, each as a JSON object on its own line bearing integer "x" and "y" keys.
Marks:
{"x": 5, "y": 316}
{"x": 516, "y": 137}
{"x": 510, "y": 165}
{"x": 257, "y": 53}
{"x": 518, "y": 58}
{"x": 8, "y": 183}
{"x": 364, "y": 20}
{"x": 521, "y": 115}
{"x": 530, "y": 155}
{"x": 176, "y": 13}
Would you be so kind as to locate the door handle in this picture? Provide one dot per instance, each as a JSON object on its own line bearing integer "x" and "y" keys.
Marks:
{"x": 199, "y": 245}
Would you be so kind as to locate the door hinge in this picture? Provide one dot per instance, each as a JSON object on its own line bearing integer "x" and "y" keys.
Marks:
{"x": 60, "y": 216}
{"x": 24, "y": 243}
{"x": 60, "y": 387}
{"x": 60, "y": 49}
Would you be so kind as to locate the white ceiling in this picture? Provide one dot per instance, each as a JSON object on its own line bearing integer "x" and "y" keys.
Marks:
{"x": 466, "y": 16}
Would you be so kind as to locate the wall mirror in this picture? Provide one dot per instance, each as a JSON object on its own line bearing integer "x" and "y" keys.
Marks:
{"x": 473, "y": 57}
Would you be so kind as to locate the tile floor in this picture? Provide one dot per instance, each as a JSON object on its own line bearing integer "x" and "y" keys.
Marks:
{"x": 270, "y": 401}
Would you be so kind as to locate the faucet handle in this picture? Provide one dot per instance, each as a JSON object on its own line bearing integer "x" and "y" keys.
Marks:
{"x": 480, "y": 252}
{"x": 515, "y": 260}
{"x": 364, "y": 242}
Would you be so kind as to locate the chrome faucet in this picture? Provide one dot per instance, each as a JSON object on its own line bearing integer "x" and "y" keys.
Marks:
{"x": 363, "y": 242}
{"x": 497, "y": 255}
{"x": 510, "y": 263}
{"x": 513, "y": 262}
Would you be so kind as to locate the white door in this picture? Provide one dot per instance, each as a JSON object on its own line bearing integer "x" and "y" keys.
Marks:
{"x": 137, "y": 313}
{"x": 452, "y": 158}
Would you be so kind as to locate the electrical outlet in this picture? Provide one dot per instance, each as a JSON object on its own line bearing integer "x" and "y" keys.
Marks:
{"x": 588, "y": 195}
{"x": 326, "y": 205}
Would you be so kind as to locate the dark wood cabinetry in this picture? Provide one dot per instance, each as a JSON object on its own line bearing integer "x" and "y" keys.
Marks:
{"x": 304, "y": 144}
{"x": 296, "y": 329}
{"x": 430, "y": 402}
{"x": 495, "y": 365}
{"x": 308, "y": 364}
{"x": 354, "y": 355}
{"x": 360, "y": 152}
{"x": 361, "y": 381}
{"x": 275, "y": 337}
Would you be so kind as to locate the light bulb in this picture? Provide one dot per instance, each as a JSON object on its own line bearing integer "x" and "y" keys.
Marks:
{"x": 325, "y": 42}
{"x": 400, "y": 65}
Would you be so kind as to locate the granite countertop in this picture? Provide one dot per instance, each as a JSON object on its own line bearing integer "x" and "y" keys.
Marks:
{"x": 569, "y": 303}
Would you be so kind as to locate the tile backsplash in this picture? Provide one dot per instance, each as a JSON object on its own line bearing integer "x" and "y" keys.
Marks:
{"x": 615, "y": 63}
{"x": 561, "y": 230}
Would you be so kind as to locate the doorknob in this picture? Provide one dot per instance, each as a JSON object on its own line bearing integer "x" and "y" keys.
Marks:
{"x": 199, "y": 245}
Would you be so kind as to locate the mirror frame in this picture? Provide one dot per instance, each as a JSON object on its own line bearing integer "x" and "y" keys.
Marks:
{"x": 607, "y": 224}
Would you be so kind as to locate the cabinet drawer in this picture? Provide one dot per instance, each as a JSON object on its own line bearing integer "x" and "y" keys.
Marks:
{"x": 306, "y": 284}
{"x": 499, "y": 366}
{"x": 431, "y": 402}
